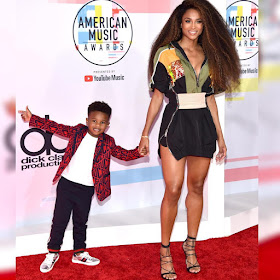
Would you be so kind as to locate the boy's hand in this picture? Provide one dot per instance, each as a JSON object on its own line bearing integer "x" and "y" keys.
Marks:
{"x": 26, "y": 115}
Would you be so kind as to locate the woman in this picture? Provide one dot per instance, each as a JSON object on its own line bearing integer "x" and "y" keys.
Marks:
{"x": 192, "y": 59}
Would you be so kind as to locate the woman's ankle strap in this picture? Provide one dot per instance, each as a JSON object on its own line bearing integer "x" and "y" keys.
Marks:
{"x": 165, "y": 246}
{"x": 193, "y": 238}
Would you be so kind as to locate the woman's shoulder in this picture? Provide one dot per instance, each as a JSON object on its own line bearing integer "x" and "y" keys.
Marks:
{"x": 164, "y": 52}
{"x": 163, "y": 49}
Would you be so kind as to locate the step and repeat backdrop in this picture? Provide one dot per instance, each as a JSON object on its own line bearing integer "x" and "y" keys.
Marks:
{"x": 241, "y": 111}
{"x": 72, "y": 53}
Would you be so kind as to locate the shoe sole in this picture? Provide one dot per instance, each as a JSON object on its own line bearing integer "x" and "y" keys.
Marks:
{"x": 89, "y": 264}
{"x": 51, "y": 267}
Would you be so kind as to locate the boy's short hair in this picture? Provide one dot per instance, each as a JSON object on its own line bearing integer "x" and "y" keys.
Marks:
{"x": 101, "y": 107}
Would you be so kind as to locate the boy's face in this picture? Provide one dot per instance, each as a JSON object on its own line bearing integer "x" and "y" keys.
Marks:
{"x": 97, "y": 122}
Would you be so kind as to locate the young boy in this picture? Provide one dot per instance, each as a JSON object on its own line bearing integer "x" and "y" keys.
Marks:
{"x": 84, "y": 168}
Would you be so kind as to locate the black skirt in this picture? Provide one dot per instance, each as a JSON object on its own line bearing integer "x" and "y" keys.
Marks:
{"x": 188, "y": 132}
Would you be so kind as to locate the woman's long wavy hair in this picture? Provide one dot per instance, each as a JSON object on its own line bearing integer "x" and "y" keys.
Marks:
{"x": 215, "y": 39}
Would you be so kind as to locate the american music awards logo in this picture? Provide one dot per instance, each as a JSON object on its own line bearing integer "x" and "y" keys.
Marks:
{"x": 102, "y": 32}
{"x": 242, "y": 19}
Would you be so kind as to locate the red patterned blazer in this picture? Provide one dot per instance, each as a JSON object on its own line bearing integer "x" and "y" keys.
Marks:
{"x": 105, "y": 147}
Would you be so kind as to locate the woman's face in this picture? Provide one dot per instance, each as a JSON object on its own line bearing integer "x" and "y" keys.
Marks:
{"x": 191, "y": 25}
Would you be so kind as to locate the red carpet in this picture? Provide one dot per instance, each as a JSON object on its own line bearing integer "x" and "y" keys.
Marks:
{"x": 230, "y": 258}
{"x": 269, "y": 259}
{"x": 8, "y": 275}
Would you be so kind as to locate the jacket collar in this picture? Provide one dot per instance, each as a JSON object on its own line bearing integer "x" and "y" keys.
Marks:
{"x": 101, "y": 136}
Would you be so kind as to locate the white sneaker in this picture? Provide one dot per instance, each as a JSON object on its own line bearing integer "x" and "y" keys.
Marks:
{"x": 48, "y": 264}
{"x": 85, "y": 258}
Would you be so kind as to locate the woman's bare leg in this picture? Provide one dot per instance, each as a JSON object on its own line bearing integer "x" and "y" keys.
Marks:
{"x": 197, "y": 172}
{"x": 173, "y": 174}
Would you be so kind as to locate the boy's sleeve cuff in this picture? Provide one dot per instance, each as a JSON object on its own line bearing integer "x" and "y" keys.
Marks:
{"x": 32, "y": 120}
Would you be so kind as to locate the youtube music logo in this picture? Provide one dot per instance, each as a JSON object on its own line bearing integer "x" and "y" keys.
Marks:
{"x": 88, "y": 78}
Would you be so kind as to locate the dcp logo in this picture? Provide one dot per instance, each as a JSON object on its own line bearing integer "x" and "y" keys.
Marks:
{"x": 48, "y": 145}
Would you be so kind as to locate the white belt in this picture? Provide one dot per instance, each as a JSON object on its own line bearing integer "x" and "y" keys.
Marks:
{"x": 192, "y": 100}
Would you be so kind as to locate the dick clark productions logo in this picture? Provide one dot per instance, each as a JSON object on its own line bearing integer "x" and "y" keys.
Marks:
{"x": 102, "y": 32}
{"x": 34, "y": 158}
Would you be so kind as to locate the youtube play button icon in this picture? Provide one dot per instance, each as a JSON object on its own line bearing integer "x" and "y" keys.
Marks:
{"x": 88, "y": 78}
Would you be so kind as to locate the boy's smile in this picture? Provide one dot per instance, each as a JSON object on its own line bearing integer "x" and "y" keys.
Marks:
{"x": 97, "y": 122}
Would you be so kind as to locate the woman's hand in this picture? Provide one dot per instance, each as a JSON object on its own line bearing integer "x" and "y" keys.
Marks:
{"x": 143, "y": 147}
{"x": 25, "y": 115}
{"x": 222, "y": 150}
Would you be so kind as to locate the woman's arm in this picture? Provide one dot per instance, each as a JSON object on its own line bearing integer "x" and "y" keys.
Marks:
{"x": 153, "y": 110}
{"x": 211, "y": 102}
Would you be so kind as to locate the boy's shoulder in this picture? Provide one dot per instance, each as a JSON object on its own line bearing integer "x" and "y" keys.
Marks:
{"x": 108, "y": 138}
{"x": 79, "y": 127}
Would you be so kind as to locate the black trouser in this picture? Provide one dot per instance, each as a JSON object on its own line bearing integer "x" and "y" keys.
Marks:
{"x": 75, "y": 198}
